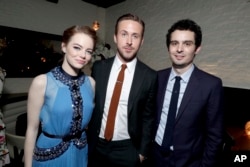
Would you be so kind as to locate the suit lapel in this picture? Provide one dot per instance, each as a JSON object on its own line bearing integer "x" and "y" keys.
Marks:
{"x": 162, "y": 86}
{"x": 191, "y": 87}
{"x": 105, "y": 69}
{"x": 136, "y": 84}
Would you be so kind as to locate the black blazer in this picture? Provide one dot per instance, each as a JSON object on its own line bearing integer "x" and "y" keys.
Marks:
{"x": 198, "y": 133}
{"x": 141, "y": 104}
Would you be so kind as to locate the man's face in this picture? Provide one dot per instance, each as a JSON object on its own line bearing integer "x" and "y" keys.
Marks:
{"x": 182, "y": 49}
{"x": 128, "y": 39}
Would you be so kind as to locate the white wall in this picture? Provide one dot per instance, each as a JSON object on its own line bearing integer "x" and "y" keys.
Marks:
{"x": 225, "y": 25}
{"x": 226, "y": 34}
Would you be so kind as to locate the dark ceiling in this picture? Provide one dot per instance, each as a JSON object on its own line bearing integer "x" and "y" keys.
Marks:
{"x": 104, "y": 3}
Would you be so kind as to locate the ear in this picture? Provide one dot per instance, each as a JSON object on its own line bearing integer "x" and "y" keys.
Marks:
{"x": 197, "y": 50}
{"x": 115, "y": 40}
{"x": 142, "y": 41}
{"x": 63, "y": 47}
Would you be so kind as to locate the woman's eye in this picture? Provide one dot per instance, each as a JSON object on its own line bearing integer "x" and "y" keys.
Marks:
{"x": 77, "y": 48}
{"x": 89, "y": 52}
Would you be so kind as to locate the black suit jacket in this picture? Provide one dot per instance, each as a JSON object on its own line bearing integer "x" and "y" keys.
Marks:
{"x": 141, "y": 104}
{"x": 198, "y": 132}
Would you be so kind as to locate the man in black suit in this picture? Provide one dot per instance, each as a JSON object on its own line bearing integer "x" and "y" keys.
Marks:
{"x": 133, "y": 127}
{"x": 198, "y": 126}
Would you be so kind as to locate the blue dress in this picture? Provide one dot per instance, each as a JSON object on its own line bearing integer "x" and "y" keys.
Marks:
{"x": 64, "y": 117}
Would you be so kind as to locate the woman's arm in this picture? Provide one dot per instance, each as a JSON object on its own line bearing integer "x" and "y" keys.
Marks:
{"x": 34, "y": 105}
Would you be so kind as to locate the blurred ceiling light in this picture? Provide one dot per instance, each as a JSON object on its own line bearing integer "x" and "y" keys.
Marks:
{"x": 96, "y": 25}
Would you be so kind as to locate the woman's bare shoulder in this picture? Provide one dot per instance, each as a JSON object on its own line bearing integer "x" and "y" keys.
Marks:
{"x": 39, "y": 81}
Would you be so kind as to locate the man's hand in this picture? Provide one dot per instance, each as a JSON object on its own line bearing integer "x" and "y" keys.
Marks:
{"x": 142, "y": 158}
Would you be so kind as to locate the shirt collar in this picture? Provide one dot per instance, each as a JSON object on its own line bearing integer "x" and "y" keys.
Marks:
{"x": 185, "y": 76}
{"x": 130, "y": 65}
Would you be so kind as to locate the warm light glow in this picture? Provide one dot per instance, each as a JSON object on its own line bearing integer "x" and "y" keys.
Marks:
{"x": 43, "y": 59}
{"x": 247, "y": 128}
{"x": 96, "y": 25}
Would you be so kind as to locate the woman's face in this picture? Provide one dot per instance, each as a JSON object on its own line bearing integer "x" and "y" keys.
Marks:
{"x": 78, "y": 51}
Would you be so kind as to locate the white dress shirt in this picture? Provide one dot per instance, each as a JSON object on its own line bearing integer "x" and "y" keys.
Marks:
{"x": 121, "y": 120}
{"x": 168, "y": 92}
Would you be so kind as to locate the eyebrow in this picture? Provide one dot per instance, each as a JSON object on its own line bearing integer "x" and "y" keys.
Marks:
{"x": 135, "y": 33}
{"x": 88, "y": 49}
{"x": 182, "y": 41}
{"x": 77, "y": 44}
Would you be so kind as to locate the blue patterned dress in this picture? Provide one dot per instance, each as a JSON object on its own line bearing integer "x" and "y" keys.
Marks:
{"x": 65, "y": 115}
